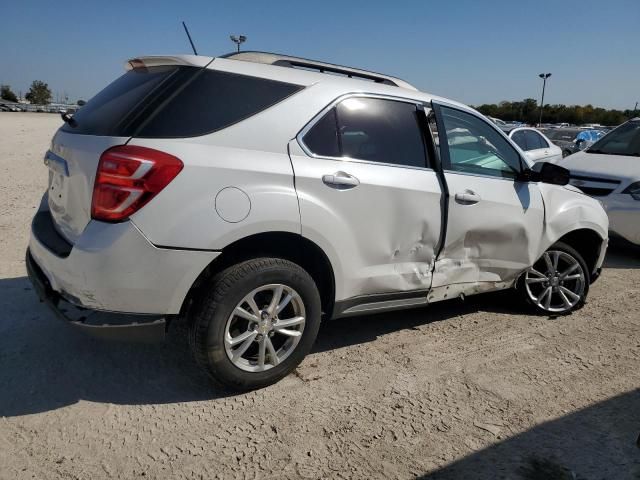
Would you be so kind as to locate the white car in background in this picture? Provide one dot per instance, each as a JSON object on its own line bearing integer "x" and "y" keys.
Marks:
{"x": 536, "y": 146}
{"x": 609, "y": 170}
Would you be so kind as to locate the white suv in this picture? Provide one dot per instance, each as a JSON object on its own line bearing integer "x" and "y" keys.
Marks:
{"x": 254, "y": 194}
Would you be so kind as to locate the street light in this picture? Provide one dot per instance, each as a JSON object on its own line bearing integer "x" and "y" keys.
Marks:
{"x": 238, "y": 40}
{"x": 544, "y": 77}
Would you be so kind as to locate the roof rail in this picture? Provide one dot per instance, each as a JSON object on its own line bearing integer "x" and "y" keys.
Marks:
{"x": 314, "y": 65}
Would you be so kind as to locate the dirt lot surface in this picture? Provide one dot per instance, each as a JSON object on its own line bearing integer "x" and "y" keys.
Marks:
{"x": 478, "y": 389}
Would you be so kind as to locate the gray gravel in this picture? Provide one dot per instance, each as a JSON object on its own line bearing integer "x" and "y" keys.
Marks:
{"x": 479, "y": 389}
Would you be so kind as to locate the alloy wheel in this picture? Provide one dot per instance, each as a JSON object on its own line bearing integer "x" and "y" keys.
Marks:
{"x": 556, "y": 282}
{"x": 264, "y": 328}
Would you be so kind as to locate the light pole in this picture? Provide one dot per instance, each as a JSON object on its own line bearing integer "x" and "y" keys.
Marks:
{"x": 544, "y": 77}
{"x": 238, "y": 39}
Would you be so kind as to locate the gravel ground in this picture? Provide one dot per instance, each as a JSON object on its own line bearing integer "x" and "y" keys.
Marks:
{"x": 475, "y": 389}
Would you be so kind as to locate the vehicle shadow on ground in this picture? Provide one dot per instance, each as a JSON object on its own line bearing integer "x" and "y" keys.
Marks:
{"x": 600, "y": 441}
{"x": 621, "y": 254}
{"x": 46, "y": 364}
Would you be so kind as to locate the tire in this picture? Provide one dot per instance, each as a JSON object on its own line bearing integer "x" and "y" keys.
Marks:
{"x": 537, "y": 280}
{"x": 216, "y": 324}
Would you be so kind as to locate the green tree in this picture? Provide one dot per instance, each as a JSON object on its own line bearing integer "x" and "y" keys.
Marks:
{"x": 7, "y": 94}
{"x": 528, "y": 111}
{"x": 39, "y": 93}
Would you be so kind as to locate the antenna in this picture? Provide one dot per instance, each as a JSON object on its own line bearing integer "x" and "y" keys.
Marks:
{"x": 189, "y": 37}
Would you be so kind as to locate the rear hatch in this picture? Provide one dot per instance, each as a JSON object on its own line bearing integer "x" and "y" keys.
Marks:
{"x": 158, "y": 98}
{"x": 110, "y": 118}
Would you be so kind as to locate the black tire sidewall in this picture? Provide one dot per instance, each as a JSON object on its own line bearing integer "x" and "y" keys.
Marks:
{"x": 259, "y": 272}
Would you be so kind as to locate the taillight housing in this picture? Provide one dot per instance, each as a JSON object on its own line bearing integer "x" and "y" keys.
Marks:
{"x": 128, "y": 177}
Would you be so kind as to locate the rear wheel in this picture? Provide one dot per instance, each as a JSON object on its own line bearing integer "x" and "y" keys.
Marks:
{"x": 558, "y": 282}
{"x": 256, "y": 322}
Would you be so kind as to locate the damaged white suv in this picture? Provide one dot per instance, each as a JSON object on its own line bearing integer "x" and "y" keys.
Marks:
{"x": 254, "y": 194}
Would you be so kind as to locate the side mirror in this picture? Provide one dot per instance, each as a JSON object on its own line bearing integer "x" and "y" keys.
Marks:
{"x": 550, "y": 173}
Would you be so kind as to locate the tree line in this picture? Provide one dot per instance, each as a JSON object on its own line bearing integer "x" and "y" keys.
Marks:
{"x": 39, "y": 93}
{"x": 528, "y": 111}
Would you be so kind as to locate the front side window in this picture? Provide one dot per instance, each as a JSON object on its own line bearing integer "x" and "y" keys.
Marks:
{"x": 373, "y": 129}
{"x": 476, "y": 147}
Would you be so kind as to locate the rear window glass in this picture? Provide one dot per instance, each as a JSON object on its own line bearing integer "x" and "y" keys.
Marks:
{"x": 105, "y": 113}
{"x": 212, "y": 101}
{"x": 171, "y": 102}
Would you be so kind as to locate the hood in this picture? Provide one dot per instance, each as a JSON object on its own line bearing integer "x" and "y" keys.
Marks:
{"x": 602, "y": 165}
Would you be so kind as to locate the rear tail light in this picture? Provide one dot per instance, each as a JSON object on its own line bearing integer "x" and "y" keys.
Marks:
{"x": 128, "y": 177}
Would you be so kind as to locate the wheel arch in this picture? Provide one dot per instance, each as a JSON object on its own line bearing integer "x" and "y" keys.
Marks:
{"x": 287, "y": 245}
{"x": 588, "y": 243}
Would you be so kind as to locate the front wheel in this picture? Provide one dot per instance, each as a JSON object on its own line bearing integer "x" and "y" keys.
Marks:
{"x": 557, "y": 283}
{"x": 255, "y": 322}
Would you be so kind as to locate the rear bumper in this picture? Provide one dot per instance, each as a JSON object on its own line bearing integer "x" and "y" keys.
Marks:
{"x": 143, "y": 328}
{"x": 113, "y": 267}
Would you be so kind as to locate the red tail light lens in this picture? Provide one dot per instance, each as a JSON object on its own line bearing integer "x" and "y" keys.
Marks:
{"x": 128, "y": 177}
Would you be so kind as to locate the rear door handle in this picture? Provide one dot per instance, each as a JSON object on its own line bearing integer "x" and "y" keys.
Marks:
{"x": 467, "y": 197}
{"x": 340, "y": 180}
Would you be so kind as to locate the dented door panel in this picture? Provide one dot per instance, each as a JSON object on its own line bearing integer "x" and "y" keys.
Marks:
{"x": 494, "y": 239}
{"x": 494, "y": 222}
{"x": 381, "y": 235}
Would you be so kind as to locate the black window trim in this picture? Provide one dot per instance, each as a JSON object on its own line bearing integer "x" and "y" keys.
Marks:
{"x": 446, "y": 162}
{"x": 419, "y": 104}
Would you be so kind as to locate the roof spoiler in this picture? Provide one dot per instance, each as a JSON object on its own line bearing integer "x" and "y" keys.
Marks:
{"x": 161, "y": 60}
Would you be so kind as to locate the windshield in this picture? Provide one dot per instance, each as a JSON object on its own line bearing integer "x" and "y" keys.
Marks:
{"x": 624, "y": 140}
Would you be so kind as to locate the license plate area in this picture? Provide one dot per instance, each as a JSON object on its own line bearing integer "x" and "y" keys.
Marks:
{"x": 56, "y": 164}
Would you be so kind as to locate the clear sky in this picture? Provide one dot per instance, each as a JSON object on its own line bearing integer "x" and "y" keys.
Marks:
{"x": 473, "y": 51}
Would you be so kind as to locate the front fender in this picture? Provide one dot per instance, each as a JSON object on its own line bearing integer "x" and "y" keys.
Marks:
{"x": 567, "y": 210}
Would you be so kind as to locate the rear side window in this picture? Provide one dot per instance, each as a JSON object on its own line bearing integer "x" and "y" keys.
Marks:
{"x": 372, "y": 129}
{"x": 212, "y": 101}
{"x": 172, "y": 102}
{"x": 534, "y": 141}
{"x": 322, "y": 139}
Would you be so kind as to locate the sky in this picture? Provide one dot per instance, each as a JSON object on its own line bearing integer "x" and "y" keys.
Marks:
{"x": 472, "y": 51}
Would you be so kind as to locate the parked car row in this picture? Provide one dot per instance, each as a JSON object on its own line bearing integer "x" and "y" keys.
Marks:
{"x": 572, "y": 140}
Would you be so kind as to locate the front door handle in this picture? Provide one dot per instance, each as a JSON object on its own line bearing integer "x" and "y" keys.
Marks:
{"x": 468, "y": 197}
{"x": 340, "y": 180}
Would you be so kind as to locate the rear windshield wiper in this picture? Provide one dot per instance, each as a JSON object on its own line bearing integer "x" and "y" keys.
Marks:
{"x": 68, "y": 118}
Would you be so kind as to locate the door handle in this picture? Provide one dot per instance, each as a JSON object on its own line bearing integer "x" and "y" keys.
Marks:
{"x": 467, "y": 197}
{"x": 340, "y": 180}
